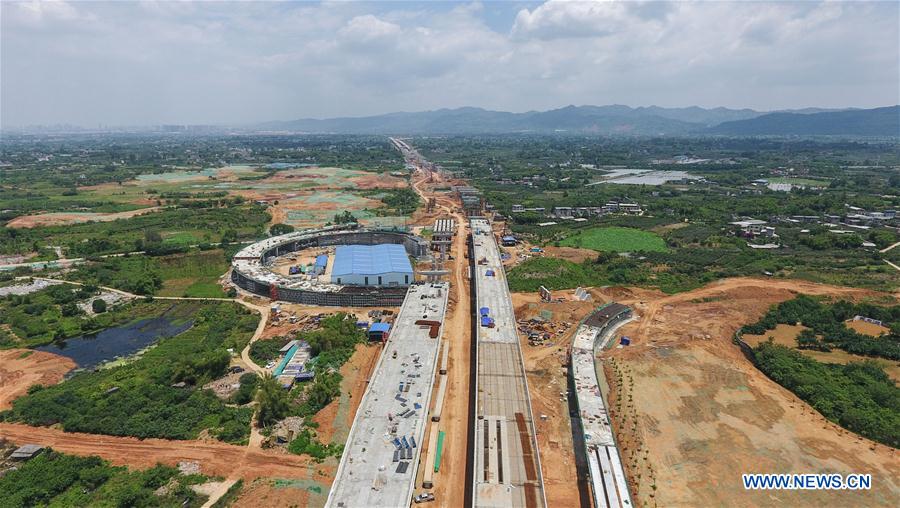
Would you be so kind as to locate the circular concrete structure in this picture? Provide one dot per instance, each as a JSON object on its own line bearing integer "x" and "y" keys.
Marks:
{"x": 250, "y": 267}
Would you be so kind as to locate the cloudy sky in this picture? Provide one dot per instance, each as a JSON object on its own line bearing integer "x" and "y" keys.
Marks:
{"x": 149, "y": 62}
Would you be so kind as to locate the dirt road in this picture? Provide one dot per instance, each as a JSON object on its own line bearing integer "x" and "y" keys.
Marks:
{"x": 692, "y": 413}
{"x": 215, "y": 459}
{"x": 450, "y": 482}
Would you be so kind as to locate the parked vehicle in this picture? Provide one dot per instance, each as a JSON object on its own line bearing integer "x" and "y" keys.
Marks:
{"x": 425, "y": 497}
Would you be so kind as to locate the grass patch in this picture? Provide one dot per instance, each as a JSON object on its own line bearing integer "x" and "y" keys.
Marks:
{"x": 182, "y": 238}
{"x": 612, "y": 270}
{"x": 616, "y": 239}
{"x": 193, "y": 273}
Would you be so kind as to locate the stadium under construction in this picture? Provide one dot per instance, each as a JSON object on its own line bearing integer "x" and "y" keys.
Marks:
{"x": 252, "y": 271}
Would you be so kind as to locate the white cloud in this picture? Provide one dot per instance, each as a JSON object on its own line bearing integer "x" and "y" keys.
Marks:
{"x": 157, "y": 62}
{"x": 567, "y": 19}
{"x": 367, "y": 29}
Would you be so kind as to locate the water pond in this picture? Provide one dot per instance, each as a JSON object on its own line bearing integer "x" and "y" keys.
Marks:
{"x": 89, "y": 351}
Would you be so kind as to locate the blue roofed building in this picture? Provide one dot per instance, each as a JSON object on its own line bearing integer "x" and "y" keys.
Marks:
{"x": 371, "y": 265}
{"x": 379, "y": 331}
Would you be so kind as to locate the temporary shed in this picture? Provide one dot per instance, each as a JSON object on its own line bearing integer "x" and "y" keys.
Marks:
{"x": 379, "y": 331}
{"x": 320, "y": 264}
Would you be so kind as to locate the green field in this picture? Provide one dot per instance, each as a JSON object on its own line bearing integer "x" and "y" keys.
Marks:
{"x": 616, "y": 239}
{"x": 193, "y": 273}
{"x": 809, "y": 182}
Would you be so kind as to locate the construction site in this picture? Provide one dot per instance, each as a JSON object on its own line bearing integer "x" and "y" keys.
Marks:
{"x": 608, "y": 485}
{"x": 378, "y": 467}
{"x": 469, "y": 395}
{"x": 334, "y": 278}
{"x": 506, "y": 460}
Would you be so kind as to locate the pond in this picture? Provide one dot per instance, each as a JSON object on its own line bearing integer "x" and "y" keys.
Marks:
{"x": 89, "y": 351}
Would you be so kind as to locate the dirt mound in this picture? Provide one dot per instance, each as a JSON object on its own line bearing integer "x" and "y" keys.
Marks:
{"x": 62, "y": 219}
{"x": 570, "y": 254}
{"x": 692, "y": 413}
{"x": 379, "y": 181}
{"x": 21, "y": 368}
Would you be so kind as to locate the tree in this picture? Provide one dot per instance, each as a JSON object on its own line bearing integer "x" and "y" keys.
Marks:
{"x": 70, "y": 309}
{"x": 273, "y": 402}
{"x": 229, "y": 236}
{"x": 345, "y": 218}
{"x": 98, "y": 306}
{"x": 807, "y": 340}
{"x": 152, "y": 236}
{"x": 281, "y": 229}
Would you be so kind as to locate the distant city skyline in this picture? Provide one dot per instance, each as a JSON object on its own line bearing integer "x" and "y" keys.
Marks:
{"x": 233, "y": 63}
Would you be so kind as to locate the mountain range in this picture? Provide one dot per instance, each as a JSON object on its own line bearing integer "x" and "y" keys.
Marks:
{"x": 613, "y": 120}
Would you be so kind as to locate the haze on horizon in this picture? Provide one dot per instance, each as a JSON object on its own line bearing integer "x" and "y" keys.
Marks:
{"x": 149, "y": 62}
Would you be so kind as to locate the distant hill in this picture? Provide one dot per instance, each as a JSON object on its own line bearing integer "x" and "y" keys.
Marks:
{"x": 854, "y": 122}
{"x": 599, "y": 120}
{"x": 613, "y": 119}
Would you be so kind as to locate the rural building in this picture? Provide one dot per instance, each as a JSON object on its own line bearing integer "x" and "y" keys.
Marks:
{"x": 562, "y": 211}
{"x": 371, "y": 265}
{"x": 26, "y": 452}
{"x": 753, "y": 227}
{"x": 293, "y": 365}
{"x": 622, "y": 207}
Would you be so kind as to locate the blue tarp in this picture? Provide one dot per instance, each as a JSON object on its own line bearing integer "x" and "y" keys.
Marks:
{"x": 321, "y": 261}
{"x": 380, "y": 327}
{"x": 485, "y": 311}
{"x": 486, "y": 321}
